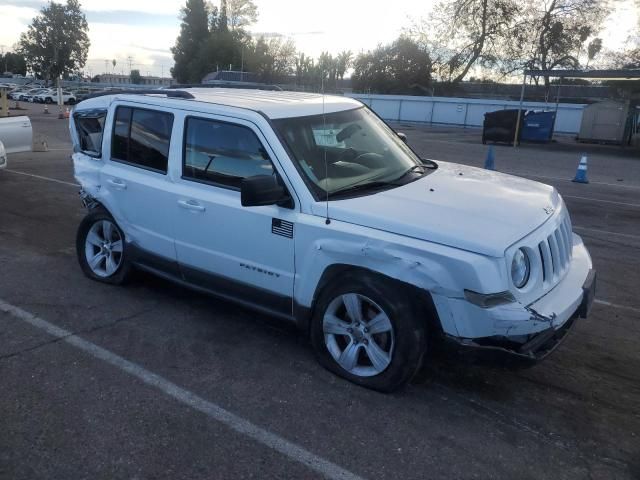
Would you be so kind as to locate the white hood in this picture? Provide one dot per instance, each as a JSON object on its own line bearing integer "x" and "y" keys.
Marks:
{"x": 469, "y": 208}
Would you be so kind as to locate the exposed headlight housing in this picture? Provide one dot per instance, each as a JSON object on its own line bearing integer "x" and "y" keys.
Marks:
{"x": 520, "y": 268}
{"x": 490, "y": 300}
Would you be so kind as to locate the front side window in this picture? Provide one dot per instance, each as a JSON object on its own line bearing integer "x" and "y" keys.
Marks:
{"x": 222, "y": 153}
{"x": 90, "y": 126}
{"x": 342, "y": 153}
{"x": 141, "y": 137}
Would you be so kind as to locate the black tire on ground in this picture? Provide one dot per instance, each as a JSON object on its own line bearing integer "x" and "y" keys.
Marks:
{"x": 48, "y": 100}
{"x": 123, "y": 272}
{"x": 410, "y": 329}
{"x": 71, "y": 101}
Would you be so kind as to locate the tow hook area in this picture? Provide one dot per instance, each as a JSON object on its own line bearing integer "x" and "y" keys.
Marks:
{"x": 539, "y": 317}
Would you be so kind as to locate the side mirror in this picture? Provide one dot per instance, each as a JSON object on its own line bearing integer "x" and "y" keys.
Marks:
{"x": 3, "y": 156}
{"x": 262, "y": 190}
{"x": 402, "y": 136}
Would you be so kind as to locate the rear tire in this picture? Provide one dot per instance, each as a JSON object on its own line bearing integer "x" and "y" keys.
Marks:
{"x": 383, "y": 346}
{"x": 101, "y": 248}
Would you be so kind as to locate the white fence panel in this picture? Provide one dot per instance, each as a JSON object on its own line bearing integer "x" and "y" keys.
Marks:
{"x": 464, "y": 112}
{"x": 413, "y": 111}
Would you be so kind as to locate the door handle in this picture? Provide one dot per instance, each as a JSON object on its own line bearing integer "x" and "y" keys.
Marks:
{"x": 191, "y": 205}
{"x": 118, "y": 184}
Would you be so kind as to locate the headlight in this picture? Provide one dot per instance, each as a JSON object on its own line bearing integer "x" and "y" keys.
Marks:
{"x": 520, "y": 268}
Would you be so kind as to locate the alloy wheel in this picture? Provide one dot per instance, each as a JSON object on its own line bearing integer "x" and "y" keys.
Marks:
{"x": 358, "y": 334}
{"x": 104, "y": 248}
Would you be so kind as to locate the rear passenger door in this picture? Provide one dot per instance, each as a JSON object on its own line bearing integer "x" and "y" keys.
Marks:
{"x": 136, "y": 182}
{"x": 246, "y": 253}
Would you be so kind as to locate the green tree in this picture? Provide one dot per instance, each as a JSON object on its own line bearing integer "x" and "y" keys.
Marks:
{"x": 402, "y": 67}
{"x": 304, "y": 67}
{"x": 343, "y": 62}
{"x": 223, "y": 20}
{"x": 193, "y": 37}
{"x": 461, "y": 34}
{"x": 135, "y": 77}
{"x": 241, "y": 13}
{"x": 272, "y": 60}
{"x": 56, "y": 43}
{"x": 554, "y": 34}
{"x": 14, "y": 63}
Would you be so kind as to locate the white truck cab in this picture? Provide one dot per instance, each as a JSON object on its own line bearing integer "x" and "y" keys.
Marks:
{"x": 312, "y": 209}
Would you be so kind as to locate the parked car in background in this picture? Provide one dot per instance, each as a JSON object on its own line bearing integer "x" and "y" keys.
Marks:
{"x": 51, "y": 96}
{"x": 16, "y": 92}
{"x": 29, "y": 95}
{"x": 16, "y": 135}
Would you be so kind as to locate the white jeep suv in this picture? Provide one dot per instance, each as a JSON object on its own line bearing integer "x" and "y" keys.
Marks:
{"x": 312, "y": 209}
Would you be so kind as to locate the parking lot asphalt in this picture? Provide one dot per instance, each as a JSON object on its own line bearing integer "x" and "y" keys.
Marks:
{"x": 155, "y": 381}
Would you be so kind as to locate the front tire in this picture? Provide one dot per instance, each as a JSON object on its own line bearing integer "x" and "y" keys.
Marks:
{"x": 101, "y": 248}
{"x": 367, "y": 329}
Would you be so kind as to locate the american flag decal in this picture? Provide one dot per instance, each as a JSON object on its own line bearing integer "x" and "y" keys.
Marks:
{"x": 282, "y": 228}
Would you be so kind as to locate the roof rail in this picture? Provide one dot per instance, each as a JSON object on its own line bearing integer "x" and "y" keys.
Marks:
{"x": 168, "y": 93}
{"x": 229, "y": 84}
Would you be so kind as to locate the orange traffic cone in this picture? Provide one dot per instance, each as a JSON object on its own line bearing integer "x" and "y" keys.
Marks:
{"x": 67, "y": 113}
{"x": 46, "y": 108}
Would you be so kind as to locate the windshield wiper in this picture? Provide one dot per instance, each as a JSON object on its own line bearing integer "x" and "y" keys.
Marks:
{"x": 358, "y": 187}
{"x": 361, "y": 187}
{"x": 430, "y": 166}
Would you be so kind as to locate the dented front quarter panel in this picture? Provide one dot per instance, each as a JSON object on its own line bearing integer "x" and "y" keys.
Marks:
{"x": 441, "y": 270}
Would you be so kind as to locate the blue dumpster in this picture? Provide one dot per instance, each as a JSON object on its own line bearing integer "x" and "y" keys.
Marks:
{"x": 538, "y": 126}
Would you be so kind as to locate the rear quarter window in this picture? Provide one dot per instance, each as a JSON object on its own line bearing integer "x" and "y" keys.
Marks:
{"x": 90, "y": 129}
{"x": 141, "y": 138}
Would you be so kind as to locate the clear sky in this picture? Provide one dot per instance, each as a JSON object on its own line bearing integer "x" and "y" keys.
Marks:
{"x": 146, "y": 29}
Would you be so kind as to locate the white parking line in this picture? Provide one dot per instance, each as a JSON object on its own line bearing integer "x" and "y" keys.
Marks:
{"x": 636, "y": 187}
{"x": 589, "y": 199}
{"x": 42, "y": 178}
{"x": 213, "y": 411}
{"x": 615, "y": 305}
{"x": 606, "y": 232}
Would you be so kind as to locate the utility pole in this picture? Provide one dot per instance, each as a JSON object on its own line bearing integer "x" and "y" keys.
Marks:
{"x": 130, "y": 60}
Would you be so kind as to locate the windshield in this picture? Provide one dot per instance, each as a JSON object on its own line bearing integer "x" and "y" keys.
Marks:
{"x": 342, "y": 150}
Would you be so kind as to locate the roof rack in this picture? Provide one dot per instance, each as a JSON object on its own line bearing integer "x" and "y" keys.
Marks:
{"x": 229, "y": 84}
{"x": 168, "y": 93}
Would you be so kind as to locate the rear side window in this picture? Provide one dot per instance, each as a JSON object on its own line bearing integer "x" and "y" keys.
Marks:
{"x": 141, "y": 137}
{"x": 222, "y": 153}
{"x": 90, "y": 126}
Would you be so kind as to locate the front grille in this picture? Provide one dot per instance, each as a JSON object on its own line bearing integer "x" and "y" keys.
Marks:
{"x": 556, "y": 251}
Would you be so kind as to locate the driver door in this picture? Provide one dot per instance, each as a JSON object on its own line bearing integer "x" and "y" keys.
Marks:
{"x": 245, "y": 253}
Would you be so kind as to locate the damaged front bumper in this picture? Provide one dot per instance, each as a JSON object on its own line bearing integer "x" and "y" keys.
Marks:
{"x": 528, "y": 333}
{"x": 536, "y": 346}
